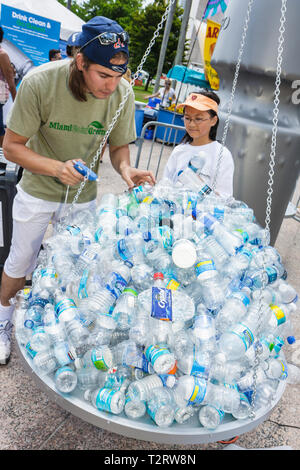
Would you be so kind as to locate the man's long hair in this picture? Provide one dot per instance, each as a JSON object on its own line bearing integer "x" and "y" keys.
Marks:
{"x": 76, "y": 80}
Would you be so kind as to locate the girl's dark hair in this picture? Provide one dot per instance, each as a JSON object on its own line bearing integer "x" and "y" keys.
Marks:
{"x": 213, "y": 130}
{"x": 1, "y": 34}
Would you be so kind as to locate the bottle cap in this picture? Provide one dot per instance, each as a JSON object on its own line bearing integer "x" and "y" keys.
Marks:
{"x": 184, "y": 253}
{"x": 158, "y": 276}
{"x": 291, "y": 339}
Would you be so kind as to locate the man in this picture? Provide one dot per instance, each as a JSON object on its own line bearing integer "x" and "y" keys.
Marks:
{"x": 54, "y": 54}
{"x": 167, "y": 94}
{"x": 61, "y": 113}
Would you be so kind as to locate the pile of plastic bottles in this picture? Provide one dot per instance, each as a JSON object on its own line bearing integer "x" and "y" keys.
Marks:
{"x": 160, "y": 304}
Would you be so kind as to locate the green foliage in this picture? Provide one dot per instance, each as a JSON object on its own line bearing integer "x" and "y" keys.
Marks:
{"x": 140, "y": 22}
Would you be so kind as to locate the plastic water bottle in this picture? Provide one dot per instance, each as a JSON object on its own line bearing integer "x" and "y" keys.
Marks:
{"x": 239, "y": 263}
{"x": 223, "y": 371}
{"x": 162, "y": 360}
{"x": 106, "y": 399}
{"x": 101, "y": 358}
{"x": 90, "y": 378}
{"x": 233, "y": 310}
{"x": 117, "y": 280}
{"x": 217, "y": 252}
{"x": 141, "y": 276}
{"x": 293, "y": 374}
{"x": 203, "y": 332}
{"x": 130, "y": 248}
{"x": 141, "y": 389}
{"x": 134, "y": 408}
{"x": 124, "y": 309}
{"x": 65, "y": 308}
{"x": 40, "y": 340}
{"x": 196, "y": 362}
{"x": 65, "y": 379}
{"x": 160, "y": 407}
{"x": 232, "y": 243}
{"x": 210, "y": 417}
{"x": 44, "y": 362}
{"x": 189, "y": 179}
{"x": 212, "y": 290}
{"x": 287, "y": 292}
{"x": 33, "y": 317}
{"x": 64, "y": 353}
{"x": 76, "y": 332}
{"x": 156, "y": 255}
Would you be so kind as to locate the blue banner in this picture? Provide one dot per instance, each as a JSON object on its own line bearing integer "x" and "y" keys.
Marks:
{"x": 34, "y": 35}
{"x": 215, "y": 6}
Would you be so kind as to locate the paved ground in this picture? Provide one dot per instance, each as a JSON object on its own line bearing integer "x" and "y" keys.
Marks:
{"x": 30, "y": 420}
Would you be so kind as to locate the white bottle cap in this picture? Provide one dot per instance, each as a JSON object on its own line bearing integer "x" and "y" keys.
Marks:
{"x": 184, "y": 253}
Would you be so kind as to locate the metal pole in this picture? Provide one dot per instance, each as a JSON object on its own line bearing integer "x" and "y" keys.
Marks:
{"x": 69, "y": 4}
{"x": 183, "y": 30}
{"x": 164, "y": 44}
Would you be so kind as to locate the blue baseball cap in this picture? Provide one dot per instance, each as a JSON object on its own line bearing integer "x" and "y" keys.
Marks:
{"x": 100, "y": 39}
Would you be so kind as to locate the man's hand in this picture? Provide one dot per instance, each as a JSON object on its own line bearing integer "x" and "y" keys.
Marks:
{"x": 135, "y": 177}
{"x": 68, "y": 175}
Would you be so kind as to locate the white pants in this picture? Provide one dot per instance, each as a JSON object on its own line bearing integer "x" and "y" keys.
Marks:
{"x": 31, "y": 217}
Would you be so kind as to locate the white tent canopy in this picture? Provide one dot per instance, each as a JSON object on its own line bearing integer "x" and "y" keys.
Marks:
{"x": 70, "y": 23}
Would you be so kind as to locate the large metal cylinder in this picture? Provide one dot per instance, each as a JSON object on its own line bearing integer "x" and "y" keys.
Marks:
{"x": 250, "y": 131}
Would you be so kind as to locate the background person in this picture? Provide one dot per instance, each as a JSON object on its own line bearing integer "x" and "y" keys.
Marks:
{"x": 7, "y": 84}
{"x": 61, "y": 113}
{"x": 54, "y": 54}
{"x": 167, "y": 94}
{"x": 201, "y": 123}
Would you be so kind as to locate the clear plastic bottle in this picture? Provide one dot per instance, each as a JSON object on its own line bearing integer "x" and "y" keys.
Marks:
{"x": 134, "y": 408}
{"x": 44, "y": 362}
{"x": 161, "y": 359}
{"x": 233, "y": 310}
{"x": 203, "y": 332}
{"x": 90, "y": 378}
{"x": 161, "y": 407}
{"x": 141, "y": 389}
{"x": 210, "y": 417}
{"x": 123, "y": 312}
{"x": 40, "y": 340}
{"x": 65, "y": 308}
{"x": 65, "y": 379}
{"x": 156, "y": 255}
{"x": 101, "y": 358}
{"x": 212, "y": 289}
{"x": 141, "y": 276}
{"x": 130, "y": 248}
{"x": 106, "y": 399}
{"x": 231, "y": 242}
{"x": 217, "y": 252}
{"x": 64, "y": 354}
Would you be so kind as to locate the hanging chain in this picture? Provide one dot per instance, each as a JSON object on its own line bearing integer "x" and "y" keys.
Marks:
{"x": 118, "y": 112}
{"x": 234, "y": 84}
{"x": 270, "y": 188}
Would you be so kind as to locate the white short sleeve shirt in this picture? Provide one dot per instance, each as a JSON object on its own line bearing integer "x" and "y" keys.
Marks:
{"x": 181, "y": 155}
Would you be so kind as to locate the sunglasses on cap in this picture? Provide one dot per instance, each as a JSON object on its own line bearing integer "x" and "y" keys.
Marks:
{"x": 106, "y": 39}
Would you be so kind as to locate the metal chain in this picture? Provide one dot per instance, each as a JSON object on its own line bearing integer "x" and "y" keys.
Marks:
{"x": 270, "y": 189}
{"x": 234, "y": 84}
{"x": 63, "y": 222}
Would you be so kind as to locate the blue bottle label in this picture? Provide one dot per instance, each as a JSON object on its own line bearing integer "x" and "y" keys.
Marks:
{"x": 51, "y": 273}
{"x": 117, "y": 285}
{"x": 219, "y": 213}
{"x": 272, "y": 274}
{"x": 63, "y": 305}
{"x": 104, "y": 398}
{"x": 161, "y": 303}
{"x": 243, "y": 234}
{"x": 242, "y": 297}
{"x": 199, "y": 391}
{"x": 61, "y": 370}
{"x": 73, "y": 230}
{"x": 82, "y": 292}
{"x": 204, "y": 266}
{"x": 152, "y": 353}
{"x": 246, "y": 252}
{"x": 245, "y": 334}
{"x": 98, "y": 360}
{"x": 32, "y": 353}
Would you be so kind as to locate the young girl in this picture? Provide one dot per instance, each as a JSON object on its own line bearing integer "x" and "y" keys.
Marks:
{"x": 201, "y": 123}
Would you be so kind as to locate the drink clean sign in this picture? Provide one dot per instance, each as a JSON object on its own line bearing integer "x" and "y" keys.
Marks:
{"x": 34, "y": 35}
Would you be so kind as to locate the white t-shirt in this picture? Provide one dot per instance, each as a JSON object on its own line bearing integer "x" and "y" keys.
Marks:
{"x": 166, "y": 95}
{"x": 181, "y": 155}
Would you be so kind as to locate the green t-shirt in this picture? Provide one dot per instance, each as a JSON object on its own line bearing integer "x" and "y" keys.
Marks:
{"x": 60, "y": 127}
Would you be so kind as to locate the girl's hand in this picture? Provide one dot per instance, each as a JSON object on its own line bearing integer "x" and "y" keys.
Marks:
{"x": 135, "y": 177}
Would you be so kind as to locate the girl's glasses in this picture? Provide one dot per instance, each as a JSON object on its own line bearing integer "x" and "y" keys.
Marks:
{"x": 197, "y": 121}
{"x": 106, "y": 39}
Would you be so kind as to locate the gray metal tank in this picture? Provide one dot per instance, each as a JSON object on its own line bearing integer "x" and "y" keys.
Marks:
{"x": 249, "y": 135}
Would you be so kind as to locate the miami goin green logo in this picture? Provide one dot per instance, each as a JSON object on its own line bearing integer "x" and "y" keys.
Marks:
{"x": 94, "y": 128}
